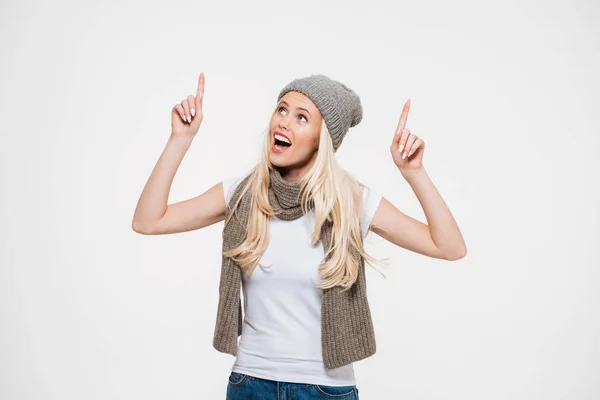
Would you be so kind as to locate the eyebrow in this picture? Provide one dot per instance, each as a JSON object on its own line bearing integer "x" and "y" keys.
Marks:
{"x": 301, "y": 108}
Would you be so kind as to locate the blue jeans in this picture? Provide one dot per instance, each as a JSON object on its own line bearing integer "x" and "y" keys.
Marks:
{"x": 247, "y": 387}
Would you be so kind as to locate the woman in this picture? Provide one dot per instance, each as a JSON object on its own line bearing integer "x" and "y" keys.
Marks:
{"x": 306, "y": 314}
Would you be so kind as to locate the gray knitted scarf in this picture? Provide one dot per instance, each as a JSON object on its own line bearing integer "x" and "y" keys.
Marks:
{"x": 347, "y": 333}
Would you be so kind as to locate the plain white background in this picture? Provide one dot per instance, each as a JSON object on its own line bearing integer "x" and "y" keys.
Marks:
{"x": 505, "y": 95}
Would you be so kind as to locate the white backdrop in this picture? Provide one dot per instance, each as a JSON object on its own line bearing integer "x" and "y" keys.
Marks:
{"x": 503, "y": 93}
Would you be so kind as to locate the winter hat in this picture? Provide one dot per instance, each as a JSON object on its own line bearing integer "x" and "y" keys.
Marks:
{"x": 339, "y": 105}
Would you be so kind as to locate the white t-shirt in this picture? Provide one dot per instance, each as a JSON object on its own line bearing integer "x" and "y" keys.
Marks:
{"x": 281, "y": 332}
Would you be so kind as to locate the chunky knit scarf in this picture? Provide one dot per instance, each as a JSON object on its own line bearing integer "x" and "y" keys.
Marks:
{"x": 347, "y": 333}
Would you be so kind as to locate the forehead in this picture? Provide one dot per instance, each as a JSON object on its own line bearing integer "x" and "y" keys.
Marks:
{"x": 297, "y": 99}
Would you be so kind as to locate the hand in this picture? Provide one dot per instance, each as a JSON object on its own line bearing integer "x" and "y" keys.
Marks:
{"x": 186, "y": 117}
{"x": 407, "y": 149}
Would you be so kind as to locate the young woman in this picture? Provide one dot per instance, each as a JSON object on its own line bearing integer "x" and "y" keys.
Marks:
{"x": 302, "y": 219}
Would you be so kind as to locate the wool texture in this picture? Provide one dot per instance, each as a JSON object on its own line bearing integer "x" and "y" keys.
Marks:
{"x": 347, "y": 333}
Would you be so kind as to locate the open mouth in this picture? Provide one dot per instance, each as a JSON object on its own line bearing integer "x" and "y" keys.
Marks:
{"x": 281, "y": 143}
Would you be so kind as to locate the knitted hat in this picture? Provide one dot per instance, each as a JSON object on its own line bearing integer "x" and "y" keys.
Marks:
{"x": 339, "y": 105}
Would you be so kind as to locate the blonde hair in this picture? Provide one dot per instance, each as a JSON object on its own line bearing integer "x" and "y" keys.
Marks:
{"x": 335, "y": 195}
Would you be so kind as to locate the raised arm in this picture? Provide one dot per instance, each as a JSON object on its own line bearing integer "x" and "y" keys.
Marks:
{"x": 441, "y": 237}
{"x": 152, "y": 214}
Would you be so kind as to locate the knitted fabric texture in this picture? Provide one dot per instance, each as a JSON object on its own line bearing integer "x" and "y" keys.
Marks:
{"x": 339, "y": 105}
{"x": 347, "y": 333}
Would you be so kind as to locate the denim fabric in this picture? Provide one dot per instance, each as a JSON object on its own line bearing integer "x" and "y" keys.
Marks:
{"x": 247, "y": 387}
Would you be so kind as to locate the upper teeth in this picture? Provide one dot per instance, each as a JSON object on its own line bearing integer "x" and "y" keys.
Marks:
{"x": 282, "y": 138}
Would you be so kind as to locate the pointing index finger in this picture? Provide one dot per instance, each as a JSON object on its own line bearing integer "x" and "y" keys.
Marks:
{"x": 200, "y": 91}
{"x": 403, "y": 117}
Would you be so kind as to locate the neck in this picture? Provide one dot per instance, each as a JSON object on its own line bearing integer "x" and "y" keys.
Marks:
{"x": 294, "y": 174}
{"x": 291, "y": 175}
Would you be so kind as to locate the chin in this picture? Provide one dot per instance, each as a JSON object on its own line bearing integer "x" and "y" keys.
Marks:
{"x": 277, "y": 161}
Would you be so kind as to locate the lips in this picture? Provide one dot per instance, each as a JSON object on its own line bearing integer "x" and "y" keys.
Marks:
{"x": 279, "y": 133}
{"x": 279, "y": 148}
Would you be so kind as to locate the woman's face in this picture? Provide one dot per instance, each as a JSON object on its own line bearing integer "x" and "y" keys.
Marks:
{"x": 297, "y": 118}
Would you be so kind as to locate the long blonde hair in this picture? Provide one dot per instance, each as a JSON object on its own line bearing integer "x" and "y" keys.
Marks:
{"x": 335, "y": 194}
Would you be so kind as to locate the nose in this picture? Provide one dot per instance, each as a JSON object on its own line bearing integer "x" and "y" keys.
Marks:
{"x": 283, "y": 122}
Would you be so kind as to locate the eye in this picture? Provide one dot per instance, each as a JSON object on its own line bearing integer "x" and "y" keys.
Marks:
{"x": 300, "y": 115}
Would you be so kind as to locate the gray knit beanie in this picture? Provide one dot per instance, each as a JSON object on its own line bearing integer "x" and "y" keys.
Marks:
{"x": 339, "y": 105}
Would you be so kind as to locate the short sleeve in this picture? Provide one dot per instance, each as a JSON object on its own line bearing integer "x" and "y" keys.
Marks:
{"x": 229, "y": 185}
{"x": 371, "y": 199}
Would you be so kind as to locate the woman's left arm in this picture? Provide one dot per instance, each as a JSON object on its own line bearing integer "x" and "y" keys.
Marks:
{"x": 442, "y": 237}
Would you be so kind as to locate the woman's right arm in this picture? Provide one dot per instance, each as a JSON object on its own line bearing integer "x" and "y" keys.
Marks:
{"x": 152, "y": 214}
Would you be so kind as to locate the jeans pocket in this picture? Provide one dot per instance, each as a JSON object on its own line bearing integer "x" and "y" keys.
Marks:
{"x": 236, "y": 378}
{"x": 336, "y": 392}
